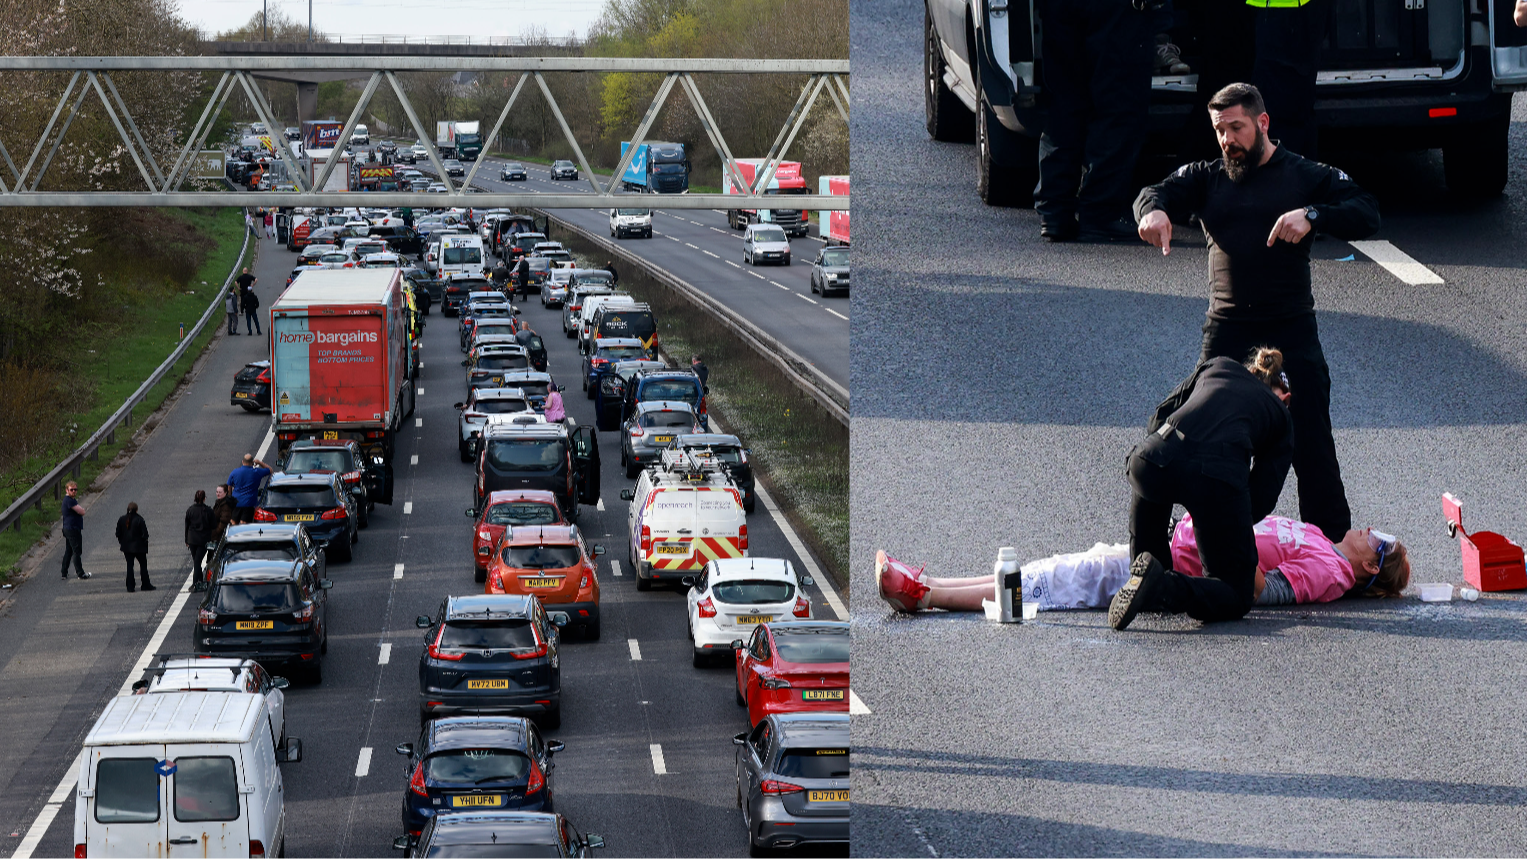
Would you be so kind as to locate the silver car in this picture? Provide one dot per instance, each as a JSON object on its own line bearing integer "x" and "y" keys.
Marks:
{"x": 649, "y": 430}
{"x": 765, "y": 243}
{"x": 829, "y": 271}
{"x": 480, "y": 404}
{"x": 792, "y": 780}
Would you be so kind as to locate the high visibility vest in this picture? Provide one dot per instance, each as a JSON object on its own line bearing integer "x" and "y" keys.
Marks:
{"x": 1276, "y": 4}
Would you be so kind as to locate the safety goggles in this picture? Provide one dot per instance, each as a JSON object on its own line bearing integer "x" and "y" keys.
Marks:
{"x": 1382, "y": 543}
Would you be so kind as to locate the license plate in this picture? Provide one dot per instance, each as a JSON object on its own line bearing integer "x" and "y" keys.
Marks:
{"x": 487, "y": 684}
{"x": 255, "y": 624}
{"x": 754, "y": 618}
{"x": 303, "y": 517}
{"x": 330, "y": 434}
{"x": 661, "y": 439}
{"x": 672, "y": 549}
{"x": 498, "y": 380}
{"x": 491, "y": 800}
{"x": 241, "y": 395}
{"x": 827, "y": 796}
{"x": 821, "y": 694}
{"x": 542, "y": 583}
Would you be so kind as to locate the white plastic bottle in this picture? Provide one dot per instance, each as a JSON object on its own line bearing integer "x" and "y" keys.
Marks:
{"x": 1009, "y": 586}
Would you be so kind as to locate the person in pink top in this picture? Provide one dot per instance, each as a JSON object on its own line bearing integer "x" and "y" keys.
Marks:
{"x": 554, "y": 412}
{"x": 1296, "y": 563}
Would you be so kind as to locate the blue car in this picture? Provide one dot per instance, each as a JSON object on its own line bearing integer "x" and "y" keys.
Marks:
{"x": 607, "y": 352}
{"x": 477, "y": 763}
{"x": 610, "y": 393}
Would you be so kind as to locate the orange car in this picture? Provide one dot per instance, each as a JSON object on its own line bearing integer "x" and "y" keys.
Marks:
{"x": 551, "y": 562}
{"x": 505, "y": 508}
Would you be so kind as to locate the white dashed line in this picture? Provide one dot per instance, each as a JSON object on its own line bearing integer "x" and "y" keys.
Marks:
{"x": 659, "y": 767}
{"x": 687, "y": 244}
{"x": 599, "y": 505}
{"x": 408, "y": 506}
{"x": 732, "y": 264}
{"x": 757, "y": 275}
{"x": 615, "y": 568}
{"x": 1397, "y": 262}
{"x": 418, "y": 422}
{"x": 697, "y": 223}
{"x": 363, "y": 766}
{"x": 808, "y": 298}
{"x": 636, "y": 650}
{"x": 836, "y": 313}
{"x": 385, "y": 656}
{"x": 778, "y": 284}
{"x": 421, "y": 392}
{"x": 723, "y": 232}
{"x": 855, "y": 706}
{"x": 397, "y": 571}
{"x": 675, "y": 238}
{"x": 708, "y": 253}
{"x": 413, "y": 460}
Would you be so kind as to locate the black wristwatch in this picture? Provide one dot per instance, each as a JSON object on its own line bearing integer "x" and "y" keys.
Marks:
{"x": 1310, "y": 213}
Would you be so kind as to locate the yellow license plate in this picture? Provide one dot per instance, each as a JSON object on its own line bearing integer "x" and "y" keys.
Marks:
{"x": 754, "y": 618}
{"x": 498, "y": 380}
{"x": 255, "y": 624}
{"x": 491, "y": 800}
{"x": 299, "y": 517}
{"x": 827, "y": 796}
{"x": 542, "y": 583}
{"x": 821, "y": 694}
{"x": 331, "y": 434}
{"x": 487, "y": 684}
{"x": 672, "y": 549}
{"x": 661, "y": 439}
{"x": 241, "y": 395}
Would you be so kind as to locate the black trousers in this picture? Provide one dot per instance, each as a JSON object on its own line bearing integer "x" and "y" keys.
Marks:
{"x": 1322, "y": 495}
{"x": 1221, "y": 521}
{"x": 199, "y": 554}
{"x": 1098, "y": 56}
{"x": 74, "y": 550}
{"x": 142, "y": 559}
{"x": 252, "y": 320}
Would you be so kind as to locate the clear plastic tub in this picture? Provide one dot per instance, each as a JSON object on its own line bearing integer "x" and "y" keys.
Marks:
{"x": 1436, "y": 592}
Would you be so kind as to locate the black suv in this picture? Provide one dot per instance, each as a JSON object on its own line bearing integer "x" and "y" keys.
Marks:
{"x": 340, "y": 456}
{"x": 251, "y": 387}
{"x": 458, "y": 288}
{"x": 558, "y": 458}
{"x": 275, "y": 612}
{"x": 263, "y": 542}
{"x": 400, "y": 239}
{"x": 492, "y": 654}
{"x": 318, "y": 501}
{"x": 729, "y": 451}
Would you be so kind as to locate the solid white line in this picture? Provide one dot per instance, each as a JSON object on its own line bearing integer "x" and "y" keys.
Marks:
{"x": 1397, "y": 262}
{"x": 270, "y": 437}
{"x": 43, "y": 821}
{"x": 659, "y": 767}
{"x": 636, "y": 650}
{"x": 385, "y": 655}
{"x": 408, "y": 507}
{"x": 800, "y": 551}
{"x": 687, "y": 244}
{"x": 855, "y": 706}
{"x": 397, "y": 571}
{"x": 600, "y": 505}
{"x": 413, "y": 460}
{"x": 836, "y": 313}
{"x": 418, "y": 422}
{"x": 615, "y": 568}
{"x": 808, "y": 298}
{"x": 363, "y": 765}
{"x": 708, "y": 253}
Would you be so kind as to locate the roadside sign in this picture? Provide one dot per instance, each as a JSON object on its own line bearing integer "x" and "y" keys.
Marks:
{"x": 209, "y": 164}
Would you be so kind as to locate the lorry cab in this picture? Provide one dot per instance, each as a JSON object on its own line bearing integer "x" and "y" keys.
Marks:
{"x": 182, "y": 774}
{"x": 685, "y": 512}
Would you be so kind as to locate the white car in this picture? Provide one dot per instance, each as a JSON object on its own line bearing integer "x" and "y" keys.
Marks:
{"x": 732, "y": 596}
{"x": 765, "y": 243}
{"x": 436, "y": 188}
{"x": 219, "y": 674}
{"x": 483, "y": 403}
{"x": 381, "y": 260}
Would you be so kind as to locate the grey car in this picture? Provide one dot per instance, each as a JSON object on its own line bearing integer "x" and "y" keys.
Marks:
{"x": 651, "y": 428}
{"x": 829, "y": 271}
{"x": 792, "y": 780}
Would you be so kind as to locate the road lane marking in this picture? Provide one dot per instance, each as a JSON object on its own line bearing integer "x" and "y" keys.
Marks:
{"x": 385, "y": 656}
{"x": 636, "y": 650}
{"x": 723, "y": 232}
{"x": 732, "y": 264}
{"x": 408, "y": 507}
{"x": 270, "y": 436}
{"x": 808, "y": 298}
{"x": 675, "y": 238}
{"x": 418, "y": 422}
{"x": 697, "y": 223}
{"x": 599, "y": 505}
{"x": 855, "y": 706}
{"x": 363, "y": 764}
{"x": 413, "y": 460}
{"x": 615, "y": 568}
{"x": 708, "y": 253}
{"x": 397, "y": 571}
{"x": 757, "y": 275}
{"x": 659, "y": 767}
{"x": 800, "y": 552}
{"x": 1397, "y": 262}
{"x": 421, "y": 392}
{"x": 696, "y": 247}
{"x": 836, "y": 313}
{"x": 780, "y": 285}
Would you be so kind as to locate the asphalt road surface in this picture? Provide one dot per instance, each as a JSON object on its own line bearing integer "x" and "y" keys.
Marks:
{"x": 699, "y": 247}
{"x": 66, "y": 647}
{"x": 1361, "y": 727}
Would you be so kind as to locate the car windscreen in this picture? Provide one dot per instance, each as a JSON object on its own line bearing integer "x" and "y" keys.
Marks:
{"x": 502, "y": 362}
{"x": 627, "y": 323}
{"x": 271, "y": 551}
{"x": 769, "y": 235}
{"x": 835, "y": 256}
{"x": 677, "y": 390}
{"x": 725, "y": 452}
{"x": 462, "y": 256}
{"x": 786, "y": 191}
{"x": 525, "y": 454}
{"x": 476, "y": 766}
{"x": 299, "y": 496}
{"x": 593, "y": 277}
{"x": 812, "y": 646}
{"x": 514, "y": 165}
{"x": 481, "y": 634}
{"x": 665, "y": 419}
{"x": 504, "y": 406}
{"x": 483, "y": 311}
{"x": 752, "y": 591}
{"x": 522, "y": 513}
{"x": 634, "y": 213}
{"x": 334, "y": 258}
{"x": 813, "y": 763}
{"x": 239, "y": 597}
{"x": 317, "y": 460}
{"x": 494, "y": 326}
{"x": 539, "y": 557}
{"x": 248, "y": 374}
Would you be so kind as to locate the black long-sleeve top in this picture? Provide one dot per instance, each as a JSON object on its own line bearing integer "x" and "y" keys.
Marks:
{"x": 1250, "y": 280}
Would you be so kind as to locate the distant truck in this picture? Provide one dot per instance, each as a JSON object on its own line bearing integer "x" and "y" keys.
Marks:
{"x": 833, "y": 226}
{"x": 376, "y": 177}
{"x": 313, "y": 162}
{"x": 321, "y": 134}
{"x": 460, "y": 140}
{"x": 341, "y": 362}
{"x": 786, "y": 180}
{"x": 656, "y": 168}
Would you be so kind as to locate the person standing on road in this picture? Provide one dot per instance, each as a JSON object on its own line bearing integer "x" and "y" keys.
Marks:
{"x": 251, "y": 314}
{"x": 553, "y": 410}
{"x": 73, "y": 526}
{"x": 522, "y": 277}
{"x": 132, "y": 536}
{"x": 224, "y": 509}
{"x": 1259, "y": 205}
{"x": 201, "y": 525}
{"x": 700, "y": 370}
{"x": 270, "y": 224}
{"x": 500, "y": 276}
{"x": 245, "y": 482}
{"x": 232, "y": 306}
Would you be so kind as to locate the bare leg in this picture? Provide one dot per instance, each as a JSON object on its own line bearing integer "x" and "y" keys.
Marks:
{"x": 966, "y": 582}
{"x": 960, "y": 599}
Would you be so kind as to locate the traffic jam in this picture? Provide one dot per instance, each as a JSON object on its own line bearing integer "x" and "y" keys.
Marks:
{"x": 341, "y": 386}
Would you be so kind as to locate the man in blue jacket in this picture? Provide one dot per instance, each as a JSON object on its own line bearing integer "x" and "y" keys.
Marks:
{"x": 246, "y": 481}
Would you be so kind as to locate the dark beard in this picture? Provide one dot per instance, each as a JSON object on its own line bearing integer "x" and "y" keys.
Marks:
{"x": 1240, "y": 170}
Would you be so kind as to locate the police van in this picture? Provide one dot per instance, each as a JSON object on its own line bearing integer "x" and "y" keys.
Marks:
{"x": 1396, "y": 74}
{"x": 460, "y": 256}
{"x": 685, "y": 512}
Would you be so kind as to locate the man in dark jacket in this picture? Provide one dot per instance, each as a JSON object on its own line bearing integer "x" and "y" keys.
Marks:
{"x": 609, "y": 266}
{"x": 251, "y": 312}
{"x": 1259, "y": 206}
{"x": 201, "y": 527}
{"x": 522, "y": 277}
{"x": 132, "y": 536}
{"x": 701, "y": 370}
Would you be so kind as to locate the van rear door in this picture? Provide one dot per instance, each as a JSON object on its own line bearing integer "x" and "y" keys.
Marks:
{"x": 125, "y": 807}
{"x": 207, "y": 793}
{"x": 1508, "y": 44}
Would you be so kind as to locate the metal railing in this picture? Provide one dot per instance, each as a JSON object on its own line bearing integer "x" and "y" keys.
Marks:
{"x": 123, "y": 416}
{"x": 486, "y": 41}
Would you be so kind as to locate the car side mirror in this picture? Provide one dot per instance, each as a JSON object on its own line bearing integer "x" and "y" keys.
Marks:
{"x": 212, "y": 547}
{"x": 472, "y": 512}
{"x": 459, "y": 406}
{"x": 593, "y": 842}
{"x": 809, "y": 582}
{"x": 405, "y": 748}
{"x": 554, "y": 746}
{"x": 279, "y": 682}
{"x": 559, "y": 619}
{"x": 626, "y": 495}
{"x": 140, "y": 686}
{"x": 740, "y": 739}
{"x": 402, "y": 842}
{"x": 423, "y": 622}
{"x": 687, "y": 581}
{"x": 463, "y": 363}
{"x": 325, "y": 584}
{"x": 290, "y": 752}
{"x": 738, "y": 644}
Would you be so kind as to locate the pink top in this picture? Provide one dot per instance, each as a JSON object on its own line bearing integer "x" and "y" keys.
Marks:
{"x": 1317, "y": 572}
{"x": 554, "y": 410}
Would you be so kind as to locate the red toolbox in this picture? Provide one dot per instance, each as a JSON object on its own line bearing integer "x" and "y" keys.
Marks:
{"x": 1490, "y": 561}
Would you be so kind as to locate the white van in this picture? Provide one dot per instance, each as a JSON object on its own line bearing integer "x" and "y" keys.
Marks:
{"x": 586, "y": 314}
{"x": 360, "y": 135}
{"x": 182, "y": 774}
{"x": 685, "y": 512}
{"x": 460, "y": 255}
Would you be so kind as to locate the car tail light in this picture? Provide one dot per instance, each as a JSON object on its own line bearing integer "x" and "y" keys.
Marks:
{"x": 436, "y": 653}
{"x": 706, "y": 608}
{"x": 256, "y": 848}
{"x": 636, "y": 432}
{"x": 264, "y": 376}
{"x": 352, "y": 476}
{"x": 702, "y": 407}
{"x": 416, "y": 784}
{"x": 304, "y": 614}
{"x": 496, "y": 581}
{"x": 263, "y": 515}
{"x": 337, "y": 513}
{"x": 600, "y": 362}
{"x": 742, "y": 537}
{"x": 776, "y": 788}
{"x": 776, "y": 683}
{"x": 206, "y": 617}
{"x": 646, "y": 539}
{"x": 802, "y": 607}
{"x": 583, "y": 583}
{"x": 537, "y": 781}
{"x": 79, "y": 851}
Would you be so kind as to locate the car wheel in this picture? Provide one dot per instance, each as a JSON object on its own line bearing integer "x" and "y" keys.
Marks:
{"x": 633, "y": 469}
{"x": 1475, "y": 159}
{"x": 250, "y": 407}
{"x": 641, "y": 583}
{"x": 946, "y": 116}
{"x": 462, "y": 449}
{"x": 315, "y": 672}
{"x": 647, "y": 235}
{"x": 748, "y": 505}
{"x": 423, "y": 717}
{"x": 739, "y": 792}
{"x": 1007, "y": 163}
{"x": 551, "y": 720}
{"x": 741, "y": 702}
{"x": 589, "y": 389}
{"x": 338, "y": 554}
{"x": 324, "y": 647}
{"x": 700, "y": 658}
{"x": 364, "y": 516}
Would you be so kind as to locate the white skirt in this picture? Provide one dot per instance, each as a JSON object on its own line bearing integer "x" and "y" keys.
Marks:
{"x": 1079, "y": 580}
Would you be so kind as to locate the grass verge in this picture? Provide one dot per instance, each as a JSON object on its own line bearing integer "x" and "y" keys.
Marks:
{"x": 113, "y": 360}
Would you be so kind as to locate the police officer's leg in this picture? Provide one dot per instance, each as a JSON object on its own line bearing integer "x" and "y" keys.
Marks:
{"x": 1322, "y": 495}
{"x": 1288, "y": 48}
{"x": 1121, "y": 46}
{"x": 1223, "y": 525}
{"x": 1150, "y": 507}
{"x": 1062, "y": 144}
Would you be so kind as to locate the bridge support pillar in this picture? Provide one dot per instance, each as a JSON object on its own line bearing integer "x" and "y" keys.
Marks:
{"x": 307, "y": 101}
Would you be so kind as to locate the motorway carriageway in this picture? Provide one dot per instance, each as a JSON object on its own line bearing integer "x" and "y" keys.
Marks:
{"x": 649, "y": 761}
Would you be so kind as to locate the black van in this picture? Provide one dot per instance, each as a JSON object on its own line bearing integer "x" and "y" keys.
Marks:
{"x": 625, "y": 320}
{"x": 560, "y": 459}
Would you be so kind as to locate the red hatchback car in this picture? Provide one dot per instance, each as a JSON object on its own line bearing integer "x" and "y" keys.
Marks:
{"x": 507, "y": 507}
{"x": 793, "y": 667}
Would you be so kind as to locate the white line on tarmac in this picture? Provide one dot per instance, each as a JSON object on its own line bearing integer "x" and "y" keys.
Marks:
{"x": 687, "y": 244}
{"x": 697, "y": 223}
{"x": 363, "y": 764}
{"x": 708, "y": 253}
{"x": 397, "y": 571}
{"x": 599, "y": 505}
{"x": 413, "y": 460}
{"x": 418, "y": 422}
{"x": 721, "y": 231}
{"x": 659, "y": 767}
{"x": 615, "y": 568}
{"x": 855, "y": 706}
{"x": 808, "y": 298}
{"x": 408, "y": 507}
{"x": 270, "y": 436}
{"x": 1397, "y": 262}
{"x": 836, "y": 313}
{"x": 421, "y": 392}
{"x": 385, "y": 656}
{"x": 800, "y": 551}
{"x": 756, "y": 274}
{"x": 732, "y": 264}
{"x": 675, "y": 238}
{"x": 636, "y": 650}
